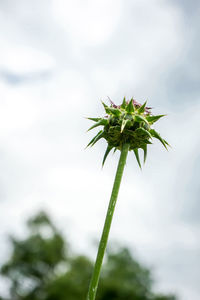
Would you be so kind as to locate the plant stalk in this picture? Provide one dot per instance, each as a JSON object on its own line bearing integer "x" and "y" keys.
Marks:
{"x": 106, "y": 229}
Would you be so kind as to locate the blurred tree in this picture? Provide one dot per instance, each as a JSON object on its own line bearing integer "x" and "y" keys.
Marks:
{"x": 41, "y": 268}
{"x": 124, "y": 278}
{"x": 34, "y": 260}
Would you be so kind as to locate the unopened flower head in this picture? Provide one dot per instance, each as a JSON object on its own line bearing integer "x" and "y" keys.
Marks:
{"x": 129, "y": 123}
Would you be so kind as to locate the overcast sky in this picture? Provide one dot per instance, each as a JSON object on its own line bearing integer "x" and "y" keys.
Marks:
{"x": 58, "y": 59}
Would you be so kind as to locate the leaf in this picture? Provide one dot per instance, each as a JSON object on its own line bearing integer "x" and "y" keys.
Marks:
{"x": 145, "y": 152}
{"x": 137, "y": 157}
{"x": 140, "y": 119}
{"x": 94, "y": 119}
{"x": 142, "y": 108}
{"x": 110, "y": 110}
{"x": 124, "y": 122}
{"x": 153, "y": 119}
{"x": 144, "y": 131}
{"x": 130, "y": 107}
{"x": 99, "y": 123}
{"x": 124, "y": 103}
{"x": 105, "y": 106}
{"x": 114, "y": 111}
{"x": 157, "y": 136}
{"x": 147, "y": 142}
{"x": 167, "y": 143}
{"x": 101, "y": 135}
{"x": 108, "y": 149}
{"x": 93, "y": 139}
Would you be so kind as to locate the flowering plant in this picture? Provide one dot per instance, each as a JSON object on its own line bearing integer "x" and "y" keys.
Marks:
{"x": 128, "y": 123}
{"x": 126, "y": 127}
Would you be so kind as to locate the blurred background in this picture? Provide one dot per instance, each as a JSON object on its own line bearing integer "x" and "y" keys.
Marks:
{"x": 58, "y": 59}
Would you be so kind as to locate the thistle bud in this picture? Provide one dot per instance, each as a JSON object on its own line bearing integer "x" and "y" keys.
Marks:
{"x": 129, "y": 123}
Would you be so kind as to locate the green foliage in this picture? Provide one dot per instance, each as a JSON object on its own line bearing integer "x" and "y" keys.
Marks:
{"x": 124, "y": 278}
{"x": 34, "y": 260}
{"x": 128, "y": 123}
{"x": 41, "y": 268}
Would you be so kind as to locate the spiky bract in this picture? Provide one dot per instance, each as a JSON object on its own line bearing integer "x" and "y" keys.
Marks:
{"x": 129, "y": 123}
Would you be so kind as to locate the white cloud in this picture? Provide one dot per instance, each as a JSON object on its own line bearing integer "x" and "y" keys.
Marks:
{"x": 91, "y": 23}
{"x": 23, "y": 59}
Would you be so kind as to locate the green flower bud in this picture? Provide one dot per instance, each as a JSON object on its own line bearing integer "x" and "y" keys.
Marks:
{"x": 129, "y": 123}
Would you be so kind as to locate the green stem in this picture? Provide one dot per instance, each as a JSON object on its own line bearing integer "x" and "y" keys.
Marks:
{"x": 104, "y": 237}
